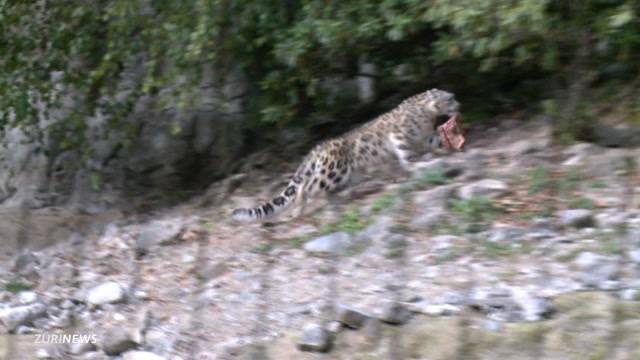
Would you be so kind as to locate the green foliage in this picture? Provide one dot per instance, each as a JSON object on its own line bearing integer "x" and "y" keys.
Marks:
{"x": 395, "y": 248}
{"x": 476, "y": 209}
{"x": 287, "y": 50}
{"x": 296, "y": 242}
{"x": 581, "y": 202}
{"x": 540, "y": 179}
{"x": 384, "y": 202}
{"x": 433, "y": 178}
{"x": 263, "y": 248}
{"x": 16, "y": 286}
{"x": 570, "y": 181}
{"x": 494, "y": 249}
{"x": 350, "y": 222}
{"x": 598, "y": 184}
{"x": 476, "y": 212}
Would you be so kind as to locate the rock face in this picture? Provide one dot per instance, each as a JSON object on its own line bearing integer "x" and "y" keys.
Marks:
{"x": 169, "y": 148}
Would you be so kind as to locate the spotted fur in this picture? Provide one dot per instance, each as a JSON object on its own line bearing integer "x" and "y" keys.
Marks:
{"x": 398, "y": 135}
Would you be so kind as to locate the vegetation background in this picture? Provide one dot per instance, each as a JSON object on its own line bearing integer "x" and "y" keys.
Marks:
{"x": 296, "y": 57}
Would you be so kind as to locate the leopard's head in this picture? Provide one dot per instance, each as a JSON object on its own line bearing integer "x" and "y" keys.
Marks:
{"x": 441, "y": 102}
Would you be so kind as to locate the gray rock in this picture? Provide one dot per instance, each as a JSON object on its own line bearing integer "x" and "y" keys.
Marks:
{"x": 42, "y": 323}
{"x": 43, "y": 354}
{"x": 25, "y": 264}
{"x": 141, "y": 355}
{"x": 431, "y": 205}
{"x": 159, "y": 232}
{"x": 330, "y": 244}
{"x": 434, "y": 309}
{"x": 67, "y": 304}
{"x": 487, "y": 188}
{"x": 433, "y": 198}
{"x": 430, "y": 219}
{"x": 374, "y": 232}
{"x": 5, "y": 296}
{"x": 315, "y": 338}
{"x": 12, "y": 317}
{"x": 27, "y": 297}
{"x": 94, "y": 355}
{"x": 611, "y": 219}
{"x": 59, "y": 273}
{"x": 447, "y": 167}
{"x": 117, "y": 340}
{"x": 587, "y": 259}
{"x": 535, "y": 308}
{"x": 528, "y": 146}
{"x": 492, "y": 325}
{"x": 395, "y": 314}
{"x": 81, "y": 347}
{"x": 454, "y": 298}
{"x": 158, "y": 341}
{"x": 601, "y": 276}
{"x": 608, "y": 285}
{"x": 350, "y": 318}
{"x": 63, "y": 320}
{"x": 540, "y": 234}
{"x": 505, "y": 234}
{"x": 599, "y": 164}
{"x": 334, "y": 327}
{"x": 25, "y": 330}
{"x": 634, "y": 255}
{"x": 578, "y": 218}
{"x": 597, "y": 271}
{"x": 630, "y": 294}
{"x": 372, "y": 329}
{"x": 502, "y": 308}
{"x": 106, "y": 293}
{"x": 440, "y": 244}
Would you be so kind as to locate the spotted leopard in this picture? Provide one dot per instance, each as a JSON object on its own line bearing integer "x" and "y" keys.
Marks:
{"x": 408, "y": 130}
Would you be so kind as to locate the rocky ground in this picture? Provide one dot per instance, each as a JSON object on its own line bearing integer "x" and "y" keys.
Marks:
{"x": 514, "y": 248}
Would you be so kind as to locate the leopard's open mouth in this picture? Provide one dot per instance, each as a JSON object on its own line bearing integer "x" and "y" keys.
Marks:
{"x": 451, "y": 133}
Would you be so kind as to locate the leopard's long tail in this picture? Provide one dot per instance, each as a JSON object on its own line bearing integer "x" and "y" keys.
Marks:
{"x": 272, "y": 207}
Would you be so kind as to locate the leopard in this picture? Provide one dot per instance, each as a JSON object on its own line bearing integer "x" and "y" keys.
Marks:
{"x": 395, "y": 137}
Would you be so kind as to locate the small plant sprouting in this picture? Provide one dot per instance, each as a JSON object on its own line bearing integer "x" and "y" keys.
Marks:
{"x": 598, "y": 184}
{"x": 350, "y": 222}
{"x": 16, "y": 287}
{"x": 385, "y": 201}
{"x": 433, "y": 178}
{"x": 540, "y": 179}
{"x": 476, "y": 212}
{"x": 494, "y": 249}
{"x": 263, "y": 248}
{"x": 581, "y": 203}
